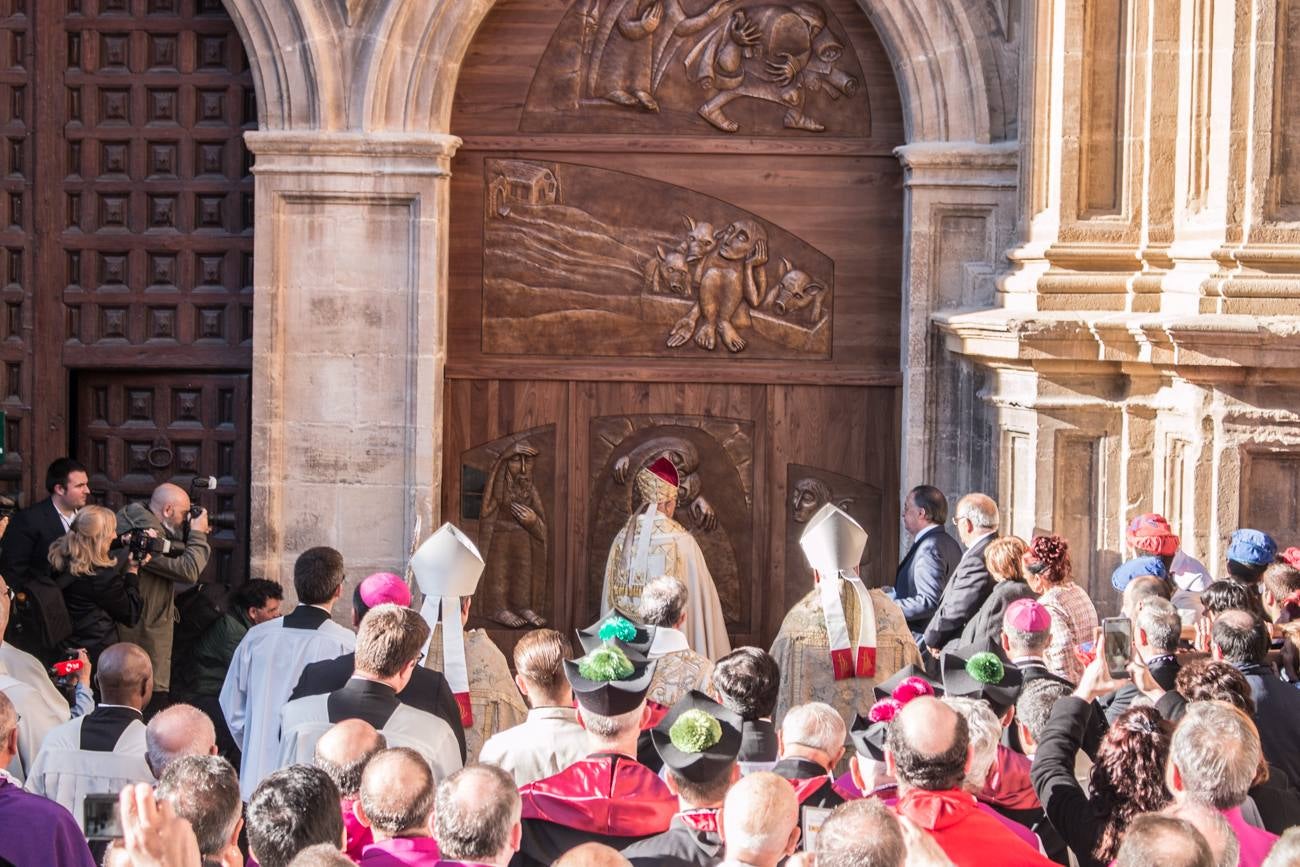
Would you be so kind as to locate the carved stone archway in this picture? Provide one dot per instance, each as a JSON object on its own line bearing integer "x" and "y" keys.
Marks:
{"x": 354, "y": 102}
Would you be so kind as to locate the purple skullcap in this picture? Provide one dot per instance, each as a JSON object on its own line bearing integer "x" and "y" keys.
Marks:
{"x": 385, "y": 587}
{"x": 1027, "y": 615}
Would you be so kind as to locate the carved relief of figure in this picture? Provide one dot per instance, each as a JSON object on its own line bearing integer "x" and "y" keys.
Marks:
{"x": 809, "y": 495}
{"x": 686, "y": 458}
{"x": 730, "y": 274}
{"x": 668, "y": 271}
{"x": 512, "y": 537}
{"x": 797, "y": 291}
{"x": 777, "y": 54}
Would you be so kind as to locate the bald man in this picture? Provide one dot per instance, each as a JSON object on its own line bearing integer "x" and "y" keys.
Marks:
{"x": 168, "y": 514}
{"x": 593, "y": 855}
{"x": 928, "y": 751}
{"x": 760, "y": 821}
{"x": 396, "y": 804}
{"x": 977, "y": 522}
{"x": 478, "y": 817}
{"x": 343, "y": 752}
{"x": 103, "y": 751}
{"x": 180, "y": 730}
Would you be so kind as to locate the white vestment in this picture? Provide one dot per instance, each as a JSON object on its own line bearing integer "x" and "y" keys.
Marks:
{"x": 305, "y": 720}
{"x": 262, "y": 675}
{"x": 546, "y": 743}
{"x": 671, "y": 551}
{"x": 21, "y": 665}
{"x": 65, "y": 773}
{"x": 36, "y": 719}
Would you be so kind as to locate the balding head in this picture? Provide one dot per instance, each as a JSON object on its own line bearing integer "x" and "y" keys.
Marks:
{"x": 125, "y": 675}
{"x": 344, "y": 750}
{"x": 8, "y": 731}
{"x": 980, "y": 512}
{"x": 1240, "y": 637}
{"x": 1165, "y": 840}
{"x": 1141, "y": 588}
{"x": 180, "y": 730}
{"x": 169, "y": 504}
{"x": 396, "y": 797}
{"x": 478, "y": 816}
{"x": 760, "y": 820}
{"x": 928, "y": 746}
{"x": 592, "y": 855}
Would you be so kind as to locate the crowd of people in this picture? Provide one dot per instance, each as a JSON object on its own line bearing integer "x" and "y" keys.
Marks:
{"x": 972, "y": 711}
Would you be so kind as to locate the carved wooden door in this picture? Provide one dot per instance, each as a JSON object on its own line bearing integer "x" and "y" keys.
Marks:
{"x": 677, "y": 232}
{"x": 141, "y": 429}
{"x": 125, "y": 218}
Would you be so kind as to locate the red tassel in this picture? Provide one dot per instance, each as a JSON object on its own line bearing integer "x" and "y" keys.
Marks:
{"x": 842, "y": 663}
{"x": 466, "y": 711}
{"x": 866, "y": 662}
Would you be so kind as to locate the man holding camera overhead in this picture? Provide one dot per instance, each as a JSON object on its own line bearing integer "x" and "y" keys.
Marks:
{"x": 185, "y": 557}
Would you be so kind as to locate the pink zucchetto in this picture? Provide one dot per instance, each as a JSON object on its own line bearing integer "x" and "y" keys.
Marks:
{"x": 1026, "y": 615}
{"x": 383, "y": 587}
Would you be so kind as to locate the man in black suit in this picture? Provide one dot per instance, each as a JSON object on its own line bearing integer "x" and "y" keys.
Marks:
{"x": 930, "y": 561}
{"x": 427, "y": 690}
{"x": 31, "y": 532}
{"x": 977, "y": 525}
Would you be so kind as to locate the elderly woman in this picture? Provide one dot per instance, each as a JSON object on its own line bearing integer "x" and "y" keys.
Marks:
{"x": 1003, "y": 558}
{"x": 1074, "y": 618}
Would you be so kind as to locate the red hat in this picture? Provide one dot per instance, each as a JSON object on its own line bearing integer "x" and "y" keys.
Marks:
{"x": 1027, "y": 615}
{"x": 1292, "y": 557}
{"x": 665, "y": 471}
{"x": 1152, "y": 534}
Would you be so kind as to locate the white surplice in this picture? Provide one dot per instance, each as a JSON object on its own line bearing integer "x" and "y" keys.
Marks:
{"x": 36, "y": 719}
{"x": 262, "y": 675}
{"x": 65, "y": 773}
{"x": 671, "y": 551}
{"x": 21, "y": 665}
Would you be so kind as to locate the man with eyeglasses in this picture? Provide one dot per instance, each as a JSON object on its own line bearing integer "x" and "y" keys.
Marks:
{"x": 977, "y": 524}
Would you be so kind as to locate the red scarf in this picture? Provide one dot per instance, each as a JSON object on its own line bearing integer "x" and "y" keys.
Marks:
{"x": 700, "y": 820}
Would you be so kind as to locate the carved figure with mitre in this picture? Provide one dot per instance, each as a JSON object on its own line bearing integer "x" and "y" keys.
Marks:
{"x": 842, "y": 638}
{"x": 651, "y": 544}
{"x": 447, "y": 568}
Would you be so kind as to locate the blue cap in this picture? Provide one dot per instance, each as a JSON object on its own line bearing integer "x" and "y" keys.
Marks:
{"x": 1252, "y": 547}
{"x": 1136, "y": 568}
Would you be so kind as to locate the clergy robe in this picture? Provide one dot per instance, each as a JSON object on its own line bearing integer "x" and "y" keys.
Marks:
{"x": 606, "y": 798}
{"x": 967, "y": 835}
{"x": 21, "y": 665}
{"x": 36, "y": 719}
{"x": 401, "y": 852}
{"x": 679, "y": 669}
{"x": 99, "y": 753}
{"x": 692, "y": 840}
{"x": 546, "y": 743}
{"x": 305, "y": 720}
{"x": 493, "y": 696}
{"x": 266, "y": 665}
{"x": 802, "y": 650}
{"x": 672, "y": 551}
{"x": 49, "y": 835}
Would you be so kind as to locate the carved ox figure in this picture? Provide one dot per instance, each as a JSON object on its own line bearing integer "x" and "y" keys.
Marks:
{"x": 668, "y": 271}
{"x": 777, "y": 53}
{"x": 798, "y": 291}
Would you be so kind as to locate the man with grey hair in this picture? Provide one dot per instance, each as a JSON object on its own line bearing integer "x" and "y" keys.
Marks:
{"x": 811, "y": 744}
{"x": 179, "y": 730}
{"x": 343, "y": 753}
{"x": 1164, "y": 840}
{"x": 760, "y": 821}
{"x": 1286, "y": 852}
{"x": 1156, "y": 629}
{"x": 204, "y": 790}
{"x": 1224, "y": 848}
{"x": 680, "y": 669}
{"x": 1034, "y": 709}
{"x": 478, "y": 816}
{"x": 396, "y": 804}
{"x": 862, "y": 833}
{"x": 977, "y": 521}
{"x": 1213, "y": 759}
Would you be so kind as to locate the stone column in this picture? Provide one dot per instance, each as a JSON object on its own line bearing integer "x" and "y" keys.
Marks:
{"x": 349, "y": 345}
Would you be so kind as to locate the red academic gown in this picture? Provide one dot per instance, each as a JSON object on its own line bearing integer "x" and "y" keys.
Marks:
{"x": 967, "y": 835}
{"x": 606, "y": 798}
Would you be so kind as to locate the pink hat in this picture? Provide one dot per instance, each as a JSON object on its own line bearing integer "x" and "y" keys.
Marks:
{"x": 1027, "y": 615}
{"x": 384, "y": 587}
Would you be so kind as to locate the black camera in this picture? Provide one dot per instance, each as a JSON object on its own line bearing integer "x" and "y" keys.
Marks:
{"x": 199, "y": 483}
{"x": 140, "y": 544}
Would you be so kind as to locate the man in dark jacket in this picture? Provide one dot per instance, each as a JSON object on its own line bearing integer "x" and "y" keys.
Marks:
{"x": 1156, "y": 627}
{"x": 1241, "y": 638}
{"x": 31, "y": 532}
{"x": 812, "y": 744}
{"x": 427, "y": 690}
{"x": 977, "y": 524}
{"x": 930, "y": 561}
{"x": 165, "y": 514}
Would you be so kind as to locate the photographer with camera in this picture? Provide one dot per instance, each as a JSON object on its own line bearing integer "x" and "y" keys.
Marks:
{"x": 179, "y": 557}
{"x": 101, "y": 588}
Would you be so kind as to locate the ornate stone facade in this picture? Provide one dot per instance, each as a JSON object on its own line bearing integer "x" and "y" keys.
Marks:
{"x": 1099, "y": 281}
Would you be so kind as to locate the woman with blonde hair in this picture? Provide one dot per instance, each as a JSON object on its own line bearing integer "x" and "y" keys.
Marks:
{"x": 101, "y": 588}
{"x": 1002, "y": 558}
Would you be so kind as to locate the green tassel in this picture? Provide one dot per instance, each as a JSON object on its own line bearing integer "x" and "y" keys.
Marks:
{"x": 605, "y": 664}
{"x": 986, "y": 668}
{"x": 695, "y": 731}
{"x": 617, "y": 627}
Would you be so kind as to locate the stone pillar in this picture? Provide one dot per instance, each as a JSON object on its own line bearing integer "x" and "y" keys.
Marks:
{"x": 349, "y": 345}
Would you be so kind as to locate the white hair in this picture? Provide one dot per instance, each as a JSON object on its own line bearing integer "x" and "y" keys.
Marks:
{"x": 985, "y": 734}
{"x": 179, "y": 730}
{"x": 816, "y": 725}
{"x": 758, "y": 815}
{"x": 1160, "y": 620}
{"x": 1216, "y": 751}
{"x": 609, "y": 728}
{"x": 980, "y": 511}
{"x": 662, "y": 601}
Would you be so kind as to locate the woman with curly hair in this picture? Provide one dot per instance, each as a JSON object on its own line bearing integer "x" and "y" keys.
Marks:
{"x": 1128, "y": 774}
{"x": 1074, "y": 619}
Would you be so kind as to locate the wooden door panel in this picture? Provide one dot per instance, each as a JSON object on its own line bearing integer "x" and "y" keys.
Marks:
{"x": 138, "y": 430}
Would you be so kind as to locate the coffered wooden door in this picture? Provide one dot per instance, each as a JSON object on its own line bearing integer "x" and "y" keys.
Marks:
{"x": 126, "y": 227}
{"x": 677, "y": 230}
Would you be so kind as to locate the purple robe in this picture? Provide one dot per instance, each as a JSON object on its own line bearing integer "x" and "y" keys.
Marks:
{"x": 50, "y": 834}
